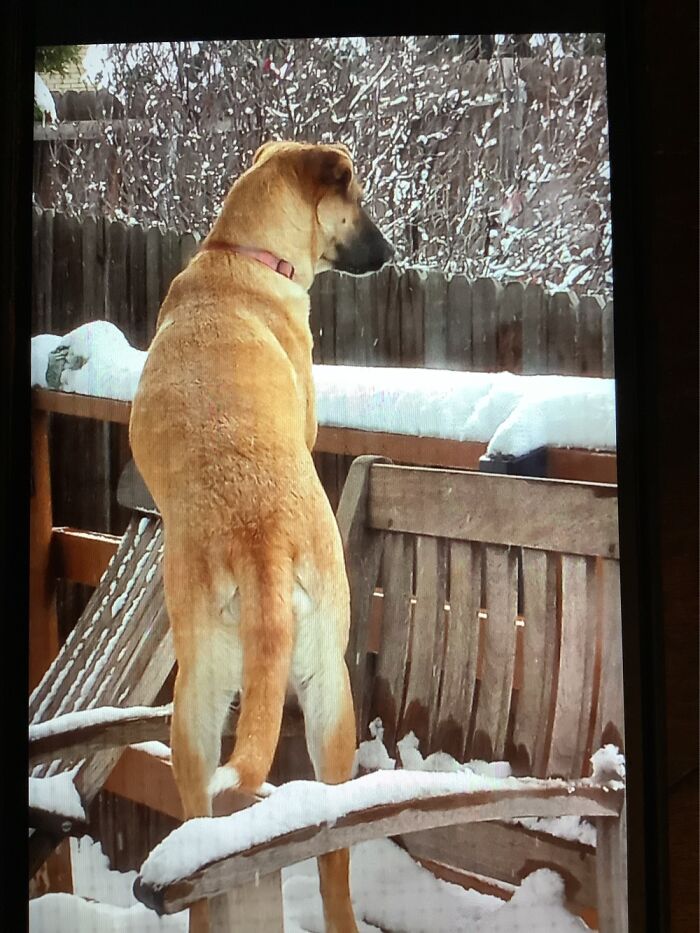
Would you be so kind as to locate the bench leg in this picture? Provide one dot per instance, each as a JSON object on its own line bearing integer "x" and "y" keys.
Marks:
{"x": 611, "y": 872}
{"x": 250, "y": 908}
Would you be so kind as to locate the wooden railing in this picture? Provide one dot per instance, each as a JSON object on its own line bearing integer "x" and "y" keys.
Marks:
{"x": 81, "y": 555}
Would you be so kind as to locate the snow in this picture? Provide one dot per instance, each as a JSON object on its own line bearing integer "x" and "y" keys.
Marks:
{"x": 512, "y": 414}
{"x": 43, "y": 98}
{"x": 389, "y": 891}
{"x": 563, "y": 827}
{"x": 102, "y": 715}
{"x": 57, "y": 794}
{"x": 607, "y": 762}
{"x": 300, "y": 804}
{"x": 372, "y": 755}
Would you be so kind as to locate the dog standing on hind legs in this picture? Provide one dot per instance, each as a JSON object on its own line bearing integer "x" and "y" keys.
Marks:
{"x": 222, "y": 427}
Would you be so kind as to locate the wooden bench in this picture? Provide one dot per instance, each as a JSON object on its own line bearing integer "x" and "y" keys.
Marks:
{"x": 515, "y": 584}
{"x": 496, "y": 636}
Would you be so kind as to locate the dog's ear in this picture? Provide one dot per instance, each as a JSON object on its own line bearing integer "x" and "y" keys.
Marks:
{"x": 329, "y": 166}
{"x": 265, "y": 150}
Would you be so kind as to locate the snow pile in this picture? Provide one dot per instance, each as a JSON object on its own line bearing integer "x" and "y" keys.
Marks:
{"x": 57, "y": 794}
{"x": 512, "y": 414}
{"x": 94, "y": 359}
{"x": 537, "y": 905}
{"x": 389, "y": 891}
{"x": 608, "y": 765}
{"x": 573, "y": 828}
{"x": 372, "y": 755}
{"x": 412, "y": 760}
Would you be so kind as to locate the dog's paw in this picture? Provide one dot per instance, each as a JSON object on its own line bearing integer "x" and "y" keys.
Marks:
{"x": 225, "y": 778}
{"x": 266, "y": 789}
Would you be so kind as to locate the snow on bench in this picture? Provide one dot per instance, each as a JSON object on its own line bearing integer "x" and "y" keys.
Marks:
{"x": 303, "y": 819}
{"x": 56, "y": 796}
{"x": 89, "y": 730}
{"x": 607, "y": 764}
{"x": 513, "y": 414}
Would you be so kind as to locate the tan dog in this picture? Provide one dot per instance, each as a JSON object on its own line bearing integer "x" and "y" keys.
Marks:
{"x": 222, "y": 428}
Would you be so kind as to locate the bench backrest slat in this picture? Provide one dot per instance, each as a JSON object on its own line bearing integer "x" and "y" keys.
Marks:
{"x": 553, "y": 515}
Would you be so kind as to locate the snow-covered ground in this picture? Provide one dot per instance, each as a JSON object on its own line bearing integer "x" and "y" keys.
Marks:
{"x": 389, "y": 890}
{"x": 513, "y": 414}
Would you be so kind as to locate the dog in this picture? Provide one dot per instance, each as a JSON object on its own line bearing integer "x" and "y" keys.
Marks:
{"x": 222, "y": 428}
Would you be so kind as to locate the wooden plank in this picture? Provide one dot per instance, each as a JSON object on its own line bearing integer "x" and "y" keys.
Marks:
{"x": 82, "y": 406}
{"x": 500, "y": 596}
{"x": 392, "y": 317}
{"x": 367, "y": 332}
{"x": 608, "y": 338}
{"x": 43, "y": 619}
{"x": 315, "y": 319}
{"x": 82, "y": 556}
{"x": 362, "y": 547}
{"x": 382, "y": 285}
{"x": 153, "y": 238}
{"x": 509, "y": 852}
{"x": 562, "y": 326}
{"x": 188, "y": 247}
{"x": 146, "y": 779}
{"x": 378, "y": 822}
{"x": 610, "y": 725}
{"x": 326, "y": 300}
{"x": 345, "y": 320}
{"x": 534, "y": 347}
{"x": 591, "y": 335}
{"x": 390, "y": 671}
{"x": 42, "y": 273}
{"x": 486, "y": 297}
{"x": 88, "y": 738}
{"x": 532, "y": 721}
{"x": 425, "y": 451}
{"x": 116, "y": 296}
{"x": 574, "y": 691}
{"x": 411, "y": 310}
{"x": 461, "y": 649}
{"x": 509, "y": 341}
{"x": 435, "y": 320}
{"x": 576, "y": 518}
{"x": 249, "y": 908}
{"x": 93, "y": 292}
{"x": 611, "y": 866}
{"x": 138, "y": 333}
{"x": 585, "y": 465}
{"x": 459, "y": 323}
{"x": 426, "y": 644}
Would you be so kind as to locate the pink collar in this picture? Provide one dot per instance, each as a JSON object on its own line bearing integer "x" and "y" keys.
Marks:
{"x": 262, "y": 255}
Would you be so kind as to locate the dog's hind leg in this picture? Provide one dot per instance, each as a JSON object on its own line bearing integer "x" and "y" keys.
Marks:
{"x": 209, "y": 673}
{"x": 330, "y": 735}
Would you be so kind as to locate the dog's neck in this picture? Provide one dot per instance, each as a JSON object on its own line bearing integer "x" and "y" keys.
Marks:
{"x": 281, "y": 266}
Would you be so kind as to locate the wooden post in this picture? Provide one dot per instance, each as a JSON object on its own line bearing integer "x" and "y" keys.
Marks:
{"x": 43, "y": 620}
{"x": 611, "y": 873}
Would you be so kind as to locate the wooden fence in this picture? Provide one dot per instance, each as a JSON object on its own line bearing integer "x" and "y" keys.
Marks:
{"x": 96, "y": 269}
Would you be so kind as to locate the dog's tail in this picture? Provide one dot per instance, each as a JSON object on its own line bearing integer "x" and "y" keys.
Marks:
{"x": 267, "y": 634}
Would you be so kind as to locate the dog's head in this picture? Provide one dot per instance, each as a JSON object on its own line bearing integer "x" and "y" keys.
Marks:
{"x": 345, "y": 237}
